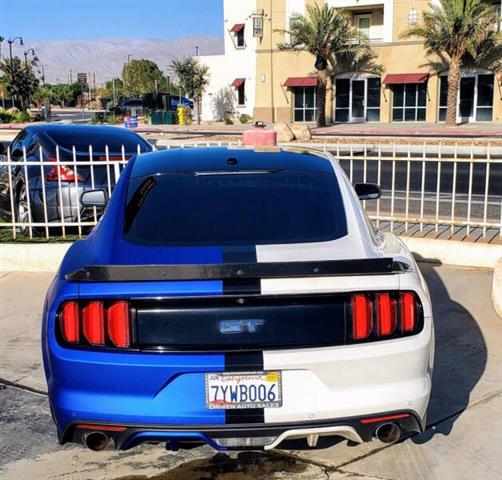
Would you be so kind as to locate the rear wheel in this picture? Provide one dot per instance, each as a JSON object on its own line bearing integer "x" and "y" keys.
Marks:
{"x": 23, "y": 215}
{"x": 22, "y": 210}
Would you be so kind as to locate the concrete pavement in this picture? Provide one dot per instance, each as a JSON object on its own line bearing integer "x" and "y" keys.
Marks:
{"x": 465, "y": 416}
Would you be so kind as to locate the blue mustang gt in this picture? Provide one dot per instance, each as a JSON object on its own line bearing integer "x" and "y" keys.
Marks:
{"x": 238, "y": 298}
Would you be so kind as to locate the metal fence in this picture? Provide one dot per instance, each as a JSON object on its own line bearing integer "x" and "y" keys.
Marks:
{"x": 447, "y": 191}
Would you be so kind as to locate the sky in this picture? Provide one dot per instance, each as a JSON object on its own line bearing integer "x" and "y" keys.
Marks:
{"x": 90, "y": 19}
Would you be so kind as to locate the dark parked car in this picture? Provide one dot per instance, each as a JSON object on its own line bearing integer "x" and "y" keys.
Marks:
{"x": 126, "y": 108}
{"x": 32, "y": 183}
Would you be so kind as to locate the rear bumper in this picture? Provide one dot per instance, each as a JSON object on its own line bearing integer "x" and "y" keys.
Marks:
{"x": 161, "y": 397}
{"x": 239, "y": 437}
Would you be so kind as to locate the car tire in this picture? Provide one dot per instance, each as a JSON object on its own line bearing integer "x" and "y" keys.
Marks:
{"x": 22, "y": 211}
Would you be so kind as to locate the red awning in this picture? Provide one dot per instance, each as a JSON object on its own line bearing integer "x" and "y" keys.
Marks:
{"x": 238, "y": 82}
{"x": 301, "y": 82}
{"x": 238, "y": 27}
{"x": 399, "y": 78}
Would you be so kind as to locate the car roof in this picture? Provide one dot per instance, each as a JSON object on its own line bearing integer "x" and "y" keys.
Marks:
{"x": 75, "y": 129}
{"x": 227, "y": 159}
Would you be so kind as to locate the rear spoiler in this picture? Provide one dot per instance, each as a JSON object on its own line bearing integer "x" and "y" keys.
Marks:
{"x": 148, "y": 273}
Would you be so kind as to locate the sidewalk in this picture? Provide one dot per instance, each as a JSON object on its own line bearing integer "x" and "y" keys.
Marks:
{"x": 382, "y": 130}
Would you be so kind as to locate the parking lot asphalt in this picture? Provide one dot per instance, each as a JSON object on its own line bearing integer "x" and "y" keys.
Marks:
{"x": 462, "y": 440}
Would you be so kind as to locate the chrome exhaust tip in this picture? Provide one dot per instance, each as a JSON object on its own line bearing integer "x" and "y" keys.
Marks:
{"x": 388, "y": 433}
{"x": 96, "y": 441}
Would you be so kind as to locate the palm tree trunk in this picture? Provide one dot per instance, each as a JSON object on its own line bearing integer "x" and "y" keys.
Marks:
{"x": 322, "y": 77}
{"x": 453, "y": 82}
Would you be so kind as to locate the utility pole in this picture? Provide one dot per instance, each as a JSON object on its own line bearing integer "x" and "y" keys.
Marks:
{"x": 71, "y": 76}
{"x": 114, "y": 92}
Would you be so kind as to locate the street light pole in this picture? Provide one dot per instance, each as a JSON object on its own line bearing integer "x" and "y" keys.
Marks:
{"x": 10, "y": 41}
{"x": 30, "y": 50}
{"x": 26, "y": 53}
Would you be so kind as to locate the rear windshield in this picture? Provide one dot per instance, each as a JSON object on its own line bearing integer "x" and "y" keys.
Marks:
{"x": 243, "y": 209}
{"x": 114, "y": 139}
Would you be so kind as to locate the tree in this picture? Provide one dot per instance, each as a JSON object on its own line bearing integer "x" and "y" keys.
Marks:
{"x": 43, "y": 94}
{"x": 193, "y": 79}
{"x": 328, "y": 34}
{"x": 460, "y": 33}
{"x": 141, "y": 76}
{"x": 19, "y": 80}
{"x": 63, "y": 93}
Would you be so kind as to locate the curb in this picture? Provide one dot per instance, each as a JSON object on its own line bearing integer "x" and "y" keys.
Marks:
{"x": 454, "y": 252}
{"x": 497, "y": 287}
{"x": 27, "y": 257}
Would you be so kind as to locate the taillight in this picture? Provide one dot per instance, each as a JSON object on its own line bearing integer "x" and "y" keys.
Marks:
{"x": 93, "y": 321}
{"x": 384, "y": 315}
{"x": 66, "y": 174}
{"x": 362, "y": 316}
{"x": 103, "y": 323}
{"x": 70, "y": 324}
{"x": 118, "y": 324}
{"x": 408, "y": 312}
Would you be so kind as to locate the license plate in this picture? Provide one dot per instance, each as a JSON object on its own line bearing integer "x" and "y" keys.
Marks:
{"x": 243, "y": 390}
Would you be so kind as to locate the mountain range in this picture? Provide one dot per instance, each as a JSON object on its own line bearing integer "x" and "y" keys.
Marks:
{"x": 105, "y": 58}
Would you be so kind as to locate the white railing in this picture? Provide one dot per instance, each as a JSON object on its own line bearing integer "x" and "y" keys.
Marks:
{"x": 447, "y": 191}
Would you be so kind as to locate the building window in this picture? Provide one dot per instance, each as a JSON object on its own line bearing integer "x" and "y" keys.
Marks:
{"x": 475, "y": 98}
{"x": 409, "y": 102}
{"x": 363, "y": 24}
{"x": 443, "y": 98}
{"x": 241, "y": 95}
{"x": 305, "y": 109}
{"x": 239, "y": 37}
{"x": 373, "y": 100}
{"x": 484, "y": 107}
{"x": 357, "y": 99}
{"x": 342, "y": 111}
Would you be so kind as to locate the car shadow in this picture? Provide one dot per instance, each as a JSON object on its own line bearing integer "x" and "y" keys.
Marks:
{"x": 460, "y": 356}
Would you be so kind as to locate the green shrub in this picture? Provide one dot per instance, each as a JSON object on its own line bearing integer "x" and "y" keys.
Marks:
{"x": 244, "y": 118}
{"x": 22, "y": 117}
{"x": 228, "y": 121}
{"x": 114, "y": 120}
{"x": 6, "y": 117}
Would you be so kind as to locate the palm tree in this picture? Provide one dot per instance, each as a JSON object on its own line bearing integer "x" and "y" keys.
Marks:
{"x": 326, "y": 33}
{"x": 459, "y": 32}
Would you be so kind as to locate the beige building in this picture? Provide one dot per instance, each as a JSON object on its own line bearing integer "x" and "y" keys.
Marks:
{"x": 408, "y": 90}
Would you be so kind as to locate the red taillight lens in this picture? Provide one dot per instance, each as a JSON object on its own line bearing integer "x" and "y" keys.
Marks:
{"x": 94, "y": 323}
{"x": 66, "y": 174}
{"x": 70, "y": 325}
{"x": 103, "y": 323}
{"x": 383, "y": 315}
{"x": 362, "y": 316}
{"x": 408, "y": 312}
{"x": 118, "y": 324}
{"x": 386, "y": 314}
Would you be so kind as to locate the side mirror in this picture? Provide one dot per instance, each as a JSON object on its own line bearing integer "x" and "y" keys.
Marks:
{"x": 94, "y": 198}
{"x": 368, "y": 191}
